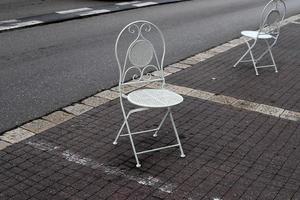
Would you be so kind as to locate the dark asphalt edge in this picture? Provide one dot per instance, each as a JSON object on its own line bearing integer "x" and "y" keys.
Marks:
{"x": 54, "y": 17}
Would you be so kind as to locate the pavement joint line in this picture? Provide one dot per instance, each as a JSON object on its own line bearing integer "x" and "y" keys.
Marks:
{"x": 71, "y": 14}
{"x": 111, "y": 94}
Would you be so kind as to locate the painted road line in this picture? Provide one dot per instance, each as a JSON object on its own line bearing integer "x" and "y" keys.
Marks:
{"x": 127, "y": 3}
{"x": 145, "y": 4}
{"x": 63, "y": 12}
{"x": 9, "y": 21}
{"x": 237, "y": 103}
{"x": 94, "y": 12}
{"x": 20, "y": 24}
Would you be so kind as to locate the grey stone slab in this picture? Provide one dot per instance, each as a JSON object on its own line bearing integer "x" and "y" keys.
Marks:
{"x": 171, "y": 70}
{"x": 77, "y": 109}
{"x": 247, "y": 105}
{"x": 200, "y": 94}
{"x": 158, "y": 73}
{"x": 290, "y": 115}
{"x": 38, "y": 126}
{"x": 180, "y": 65}
{"x": 178, "y": 89}
{"x": 16, "y": 135}
{"x": 108, "y": 94}
{"x": 58, "y": 117}
{"x": 127, "y": 88}
{"x": 270, "y": 110}
{"x": 223, "y": 99}
{"x": 95, "y": 101}
{"x": 3, "y": 144}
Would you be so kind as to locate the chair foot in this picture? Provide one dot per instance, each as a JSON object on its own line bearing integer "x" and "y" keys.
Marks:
{"x": 115, "y": 143}
{"x": 182, "y": 155}
{"x": 155, "y": 135}
{"x": 138, "y": 165}
{"x": 276, "y": 71}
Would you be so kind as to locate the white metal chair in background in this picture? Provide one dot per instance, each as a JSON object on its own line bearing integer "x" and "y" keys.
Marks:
{"x": 272, "y": 17}
{"x": 141, "y": 57}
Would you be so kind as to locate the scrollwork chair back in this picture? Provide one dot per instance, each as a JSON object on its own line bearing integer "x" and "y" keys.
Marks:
{"x": 272, "y": 16}
{"x": 141, "y": 56}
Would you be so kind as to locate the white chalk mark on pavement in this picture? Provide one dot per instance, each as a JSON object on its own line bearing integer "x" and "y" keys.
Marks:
{"x": 110, "y": 170}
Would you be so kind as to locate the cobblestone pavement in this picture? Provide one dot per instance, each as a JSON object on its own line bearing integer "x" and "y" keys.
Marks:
{"x": 231, "y": 153}
{"x": 278, "y": 89}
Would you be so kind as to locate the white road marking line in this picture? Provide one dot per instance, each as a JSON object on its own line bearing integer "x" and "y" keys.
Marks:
{"x": 9, "y": 21}
{"x": 85, "y": 161}
{"x": 127, "y": 3}
{"x": 20, "y": 24}
{"x": 93, "y": 12}
{"x": 145, "y": 4}
{"x": 63, "y": 12}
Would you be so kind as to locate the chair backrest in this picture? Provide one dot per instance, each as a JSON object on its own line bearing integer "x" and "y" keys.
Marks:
{"x": 143, "y": 48}
{"x": 272, "y": 16}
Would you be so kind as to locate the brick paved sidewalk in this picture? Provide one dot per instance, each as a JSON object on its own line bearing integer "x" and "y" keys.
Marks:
{"x": 231, "y": 153}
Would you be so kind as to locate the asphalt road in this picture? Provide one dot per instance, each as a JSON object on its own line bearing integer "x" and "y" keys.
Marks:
{"x": 47, "y": 67}
{"x": 12, "y": 9}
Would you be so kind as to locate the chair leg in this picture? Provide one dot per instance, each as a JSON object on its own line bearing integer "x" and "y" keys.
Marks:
{"x": 252, "y": 56}
{"x": 132, "y": 144}
{"x": 272, "y": 57}
{"x": 161, "y": 123}
{"x": 243, "y": 56}
{"x": 118, "y": 135}
{"x": 176, "y": 133}
{"x": 271, "y": 54}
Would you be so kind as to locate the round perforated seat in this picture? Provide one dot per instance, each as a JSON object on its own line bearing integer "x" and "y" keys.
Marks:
{"x": 154, "y": 98}
{"x": 254, "y": 34}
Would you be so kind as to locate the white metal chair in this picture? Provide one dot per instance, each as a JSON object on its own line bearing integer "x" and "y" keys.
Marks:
{"x": 272, "y": 17}
{"x": 141, "y": 57}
